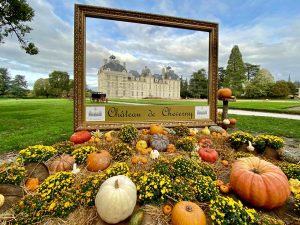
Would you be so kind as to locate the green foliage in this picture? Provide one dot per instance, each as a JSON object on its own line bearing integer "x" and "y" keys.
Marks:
{"x": 41, "y": 87}
{"x": 205, "y": 188}
{"x": 64, "y": 147}
{"x": 163, "y": 166}
{"x": 181, "y": 131}
{"x": 18, "y": 86}
{"x": 120, "y": 168}
{"x": 221, "y": 77}
{"x": 198, "y": 84}
{"x": 291, "y": 170}
{"x": 153, "y": 187}
{"x": 181, "y": 190}
{"x": 186, "y": 144}
{"x": 226, "y": 211}
{"x": 184, "y": 88}
{"x": 36, "y": 153}
{"x": 280, "y": 89}
{"x": 4, "y": 81}
{"x": 185, "y": 167}
{"x": 14, "y": 16}
{"x": 80, "y": 154}
{"x": 238, "y": 155}
{"x": 121, "y": 151}
{"x": 207, "y": 169}
{"x": 59, "y": 82}
{"x": 235, "y": 72}
{"x": 128, "y": 133}
{"x": 272, "y": 141}
{"x": 237, "y": 139}
{"x": 251, "y": 70}
{"x": 11, "y": 173}
{"x": 297, "y": 203}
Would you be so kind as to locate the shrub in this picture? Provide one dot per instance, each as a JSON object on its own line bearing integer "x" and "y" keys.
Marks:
{"x": 80, "y": 154}
{"x": 121, "y": 151}
{"x": 237, "y": 139}
{"x": 128, "y": 133}
{"x": 36, "y": 153}
{"x": 11, "y": 173}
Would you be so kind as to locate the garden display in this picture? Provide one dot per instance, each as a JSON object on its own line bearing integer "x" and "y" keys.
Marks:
{"x": 156, "y": 175}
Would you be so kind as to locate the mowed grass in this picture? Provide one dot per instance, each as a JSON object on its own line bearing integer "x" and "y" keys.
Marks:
{"x": 29, "y": 122}
{"x": 47, "y": 121}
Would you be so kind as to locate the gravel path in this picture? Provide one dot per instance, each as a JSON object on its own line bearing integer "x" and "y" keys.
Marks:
{"x": 268, "y": 114}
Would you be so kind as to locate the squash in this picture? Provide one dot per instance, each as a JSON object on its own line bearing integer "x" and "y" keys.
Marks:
{"x": 98, "y": 161}
{"x": 32, "y": 184}
{"x": 224, "y": 189}
{"x": 116, "y": 199}
{"x": 188, "y": 213}
{"x": 62, "y": 163}
{"x": 156, "y": 129}
{"x": 167, "y": 209}
{"x": 208, "y": 154}
{"x": 171, "y": 148}
{"x": 226, "y": 121}
{"x": 159, "y": 142}
{"x": 225, "y": 162}
{"x": 205, "y": 142}
{"x": 137, "y": 218}
{"x": 135, "y": 159}
{"x": 80, "y": 137}
{"x": 259, "y": 182}
{"x": 141, "y": 144}
{"x": 2, "y": 200}
{"x": 232, "y": 121}
{"x": 205, "y": 131}
{"x": 224, "y": 93}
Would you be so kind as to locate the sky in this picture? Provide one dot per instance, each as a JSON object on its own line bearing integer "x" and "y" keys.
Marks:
{"x": 266, "y": 31}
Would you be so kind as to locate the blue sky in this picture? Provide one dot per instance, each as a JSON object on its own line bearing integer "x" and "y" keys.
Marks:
{"x": 267, "y": 33}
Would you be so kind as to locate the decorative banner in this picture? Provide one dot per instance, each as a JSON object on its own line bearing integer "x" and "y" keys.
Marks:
{"x": 115, "y": 113}
{"x": 95, "y": 113}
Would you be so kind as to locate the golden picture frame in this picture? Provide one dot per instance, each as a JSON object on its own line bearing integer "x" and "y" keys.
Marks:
{"x": 83, "y": 114}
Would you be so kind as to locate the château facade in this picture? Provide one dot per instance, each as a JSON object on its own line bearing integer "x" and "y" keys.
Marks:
{"x": 117, "y": 82}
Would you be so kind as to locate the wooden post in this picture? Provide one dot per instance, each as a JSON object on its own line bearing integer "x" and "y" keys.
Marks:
{"x": 225, "y": 109}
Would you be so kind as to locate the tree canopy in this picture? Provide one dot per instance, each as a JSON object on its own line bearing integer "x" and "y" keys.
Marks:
{"x": 13, "y": 17}
{"x": 235, "y": 72}
{"x": 199, "y": 84}
{"x": 4, "y": 81}
{"x": 18, "y": 86}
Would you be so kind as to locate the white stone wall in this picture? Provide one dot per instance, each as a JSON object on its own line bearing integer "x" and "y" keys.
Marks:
{"x": 117, "y": 85}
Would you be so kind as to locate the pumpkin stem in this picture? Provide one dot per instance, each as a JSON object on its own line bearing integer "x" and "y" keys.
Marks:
{"x": 189, "y": 208}
{"x": 254, "y": 170}
{"x": 116, "y": 184}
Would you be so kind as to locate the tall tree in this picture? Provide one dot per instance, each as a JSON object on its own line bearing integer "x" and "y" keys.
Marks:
{"x": 18, "y": 86}
{"x": 221, "y": 76}
{"x": 14, "y": 14}
{"x": 280, "y": 89}
{"x": 292, "y": 87}
{"x": 261, "y": 85}
{"x": 184, "y": 88}
{"x": 41, "y": 87}
{"x": 59, "y": 82}
{"x": 198, "y": 84}
{"x": 235, "y": 72}
{"x": 4, "y": 81}
{"x": 251, "y": 70}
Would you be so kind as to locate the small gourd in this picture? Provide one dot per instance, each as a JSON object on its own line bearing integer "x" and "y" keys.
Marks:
{"x": 154, "y": 154}
{"x": 137, "y": 218}
{"x": 2, "y": 200}
{"x": 167, "y": 209}
{"x": 205, "y": 131}
{"x": 141, "y": 144}
{"x": 226, "y": 121}
{"x": 250, "y": 148}
{"x": 32, "y": 184}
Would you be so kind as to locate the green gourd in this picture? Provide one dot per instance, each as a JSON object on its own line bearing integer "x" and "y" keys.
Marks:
{"x": 137, "y": 218}
{"x": 159, "y": 142}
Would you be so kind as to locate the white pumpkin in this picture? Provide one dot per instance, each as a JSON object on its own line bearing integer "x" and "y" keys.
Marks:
{"x": 116, "y": 199}
{"x": 226, "y": 121}
{"x": 2, "y": 199}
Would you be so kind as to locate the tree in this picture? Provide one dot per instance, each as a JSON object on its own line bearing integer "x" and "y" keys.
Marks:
{"x": 18, "y": 86}
{"x": 41, "y": 87}
{"x": 221, "y": 76}
{"x": 4, "y": 81}
{"x": 261, "y": 85}
{"x": 235, "y": 72}
{"x": 292, "y": 87}
{"x": 59, "y": 82}
{"x": 198, "y": 84}
{"x": 280, "y": 89}
{"x": 251, "y": 70}
{"x": 13, "y": 17}
{"x": 184, "y": 88}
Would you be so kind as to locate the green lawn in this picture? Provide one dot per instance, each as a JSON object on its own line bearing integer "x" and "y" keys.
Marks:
{"x": 47, "y": 121}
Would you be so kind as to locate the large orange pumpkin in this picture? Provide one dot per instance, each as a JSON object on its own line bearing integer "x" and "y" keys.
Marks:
{"x": 224, "y": 93}
{"x": 156, "y": 129}
{"x": 259, "y": 182}
{"x": 98, "y": 161}
{"x": 80, "y": 137}
{"x": 188, "y": 213}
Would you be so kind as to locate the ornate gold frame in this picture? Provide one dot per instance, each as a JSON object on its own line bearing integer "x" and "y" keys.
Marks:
{"x": 84, "y": 11}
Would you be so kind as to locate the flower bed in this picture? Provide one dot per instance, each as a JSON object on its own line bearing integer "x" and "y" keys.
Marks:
{"x": 164, "y": 178}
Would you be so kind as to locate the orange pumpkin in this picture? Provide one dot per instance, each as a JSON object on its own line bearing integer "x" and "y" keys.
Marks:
{"x": 219, "y": 183}
{"x": 32, "y": 184}
{"x": 225, "y": 162}
{"x": 171, "y": 148}
{"x": 62, "y": 163}
{"x": 259, "y": 182}
{"x": 156, "y": 129}
{"x": 135, "y": 160}
{"x": 167, "y": 209}
{"x": 224, "y": 93}
{"x": 232, "y": 121}
{"x": 144, "y": 160}
{"x": 98, "y": 161}
{"x": 188, "y": 213}
{"x": 224, "y": 189}
{"x": 80, "y": 137}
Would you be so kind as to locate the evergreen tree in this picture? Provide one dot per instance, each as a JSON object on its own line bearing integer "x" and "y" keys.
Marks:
{"x": 235, "y": 72}
{"x": 184, "y": 88}
{"x": 221, "y": 76}
{"x": 251, "y": 70}
{"x": 199, "y": 84}
{"x": 4, "y": 81}
{"x": 18, "y": 86}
